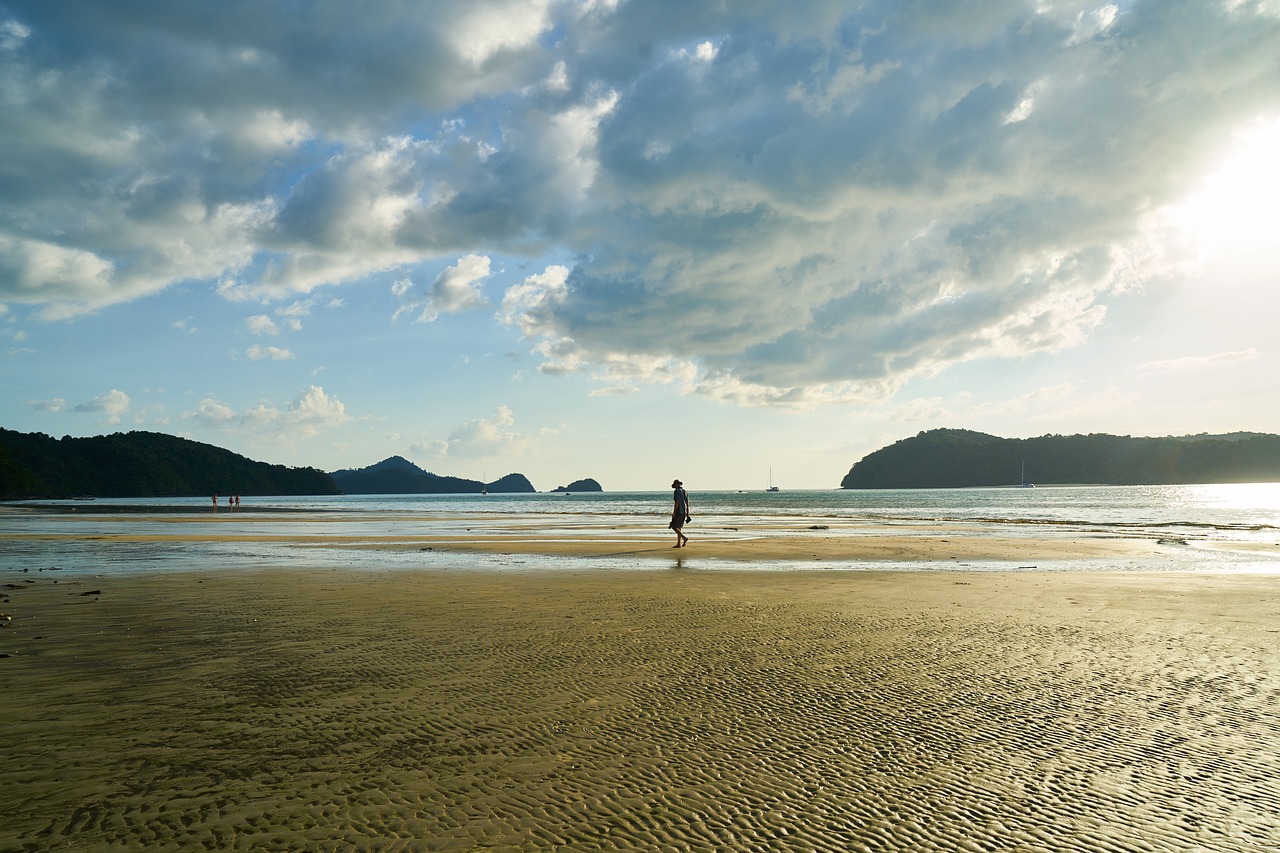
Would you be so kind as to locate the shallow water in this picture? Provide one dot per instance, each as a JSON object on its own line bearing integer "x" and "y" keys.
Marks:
{"x": 1241, "y": 508}
{"x": 1224, "y": 528}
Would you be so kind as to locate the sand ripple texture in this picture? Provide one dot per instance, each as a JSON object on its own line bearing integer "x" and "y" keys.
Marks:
{"x": 641, "y": 711}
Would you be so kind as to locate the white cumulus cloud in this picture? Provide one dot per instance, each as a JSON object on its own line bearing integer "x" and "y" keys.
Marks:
{"x": 458, "y": 288}
{"x": 480, "y": 437}
{"x": 261, "y": 324}
{"x": 114, "y": 404}
{"x": 311, "y": 412}
{"x": 258, "y": 353}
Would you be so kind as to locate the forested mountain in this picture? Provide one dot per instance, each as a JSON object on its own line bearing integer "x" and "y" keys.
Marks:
{"x": 141, "y": 464}
{"x": 951, "y": 458}
{"x": 398, "y": 476}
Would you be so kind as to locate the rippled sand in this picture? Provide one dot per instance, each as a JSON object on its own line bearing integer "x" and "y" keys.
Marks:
{"x": 655, "y": 710}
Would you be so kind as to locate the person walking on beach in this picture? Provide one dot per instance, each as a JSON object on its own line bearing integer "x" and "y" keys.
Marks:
{"x": 680, "y": 513}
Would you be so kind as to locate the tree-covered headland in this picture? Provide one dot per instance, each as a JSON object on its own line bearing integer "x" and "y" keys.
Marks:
{"x": 141, "y": 464}
{"x": 957, "y": 458}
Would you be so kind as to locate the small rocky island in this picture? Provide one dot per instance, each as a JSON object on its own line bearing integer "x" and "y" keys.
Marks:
{"x": 587, "y": 485}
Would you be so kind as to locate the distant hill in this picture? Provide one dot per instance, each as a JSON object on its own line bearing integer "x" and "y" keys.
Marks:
{"x": 587, "y": 485}
{"x": 396, "y": 475}
{"x": 512, "y": 483}
{"x": 956, "y": 458}
{"x": 141, "y": 465}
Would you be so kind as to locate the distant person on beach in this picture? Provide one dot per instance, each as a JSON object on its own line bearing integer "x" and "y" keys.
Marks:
{"x": 215, "y": 503}
{"x": 680, "y": 513}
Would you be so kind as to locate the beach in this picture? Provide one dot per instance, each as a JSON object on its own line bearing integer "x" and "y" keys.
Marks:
{"x": 313, "y": 708}
{"x": 638, "y": 541}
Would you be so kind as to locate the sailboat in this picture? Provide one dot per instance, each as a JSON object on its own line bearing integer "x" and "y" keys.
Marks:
{"x": 1024, "y": 484}
{"x": 484, "y": 487}
{"x": 771, "y": 487}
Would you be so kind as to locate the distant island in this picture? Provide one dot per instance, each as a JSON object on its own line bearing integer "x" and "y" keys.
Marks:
{"x": 154, "y": 465}
{"x": 957, "y": 458}
{"x": 141, "y": 465}
{"x": 396, "y": 475}
{"x": 587, "y": 485}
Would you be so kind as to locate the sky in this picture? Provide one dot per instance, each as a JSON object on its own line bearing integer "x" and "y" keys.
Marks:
{"x": 636, "y": 240}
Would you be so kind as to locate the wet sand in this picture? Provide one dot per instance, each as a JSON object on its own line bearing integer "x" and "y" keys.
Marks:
{"x": 634, "y": 538}
{"x": 640, "y": 710}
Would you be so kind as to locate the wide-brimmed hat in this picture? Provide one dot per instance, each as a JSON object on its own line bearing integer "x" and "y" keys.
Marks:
{"x": 675, "y": 484}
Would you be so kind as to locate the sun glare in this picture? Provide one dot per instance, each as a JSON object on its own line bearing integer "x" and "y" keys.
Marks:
{"x": 1257, "y": 503}
{"x": 1238, "y": 204}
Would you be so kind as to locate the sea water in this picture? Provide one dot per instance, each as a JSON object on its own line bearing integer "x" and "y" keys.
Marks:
{"x": 1234, "y": 528}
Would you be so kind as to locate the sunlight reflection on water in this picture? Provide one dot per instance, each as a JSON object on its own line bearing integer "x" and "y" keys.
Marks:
{"x": 1218, "y": 528}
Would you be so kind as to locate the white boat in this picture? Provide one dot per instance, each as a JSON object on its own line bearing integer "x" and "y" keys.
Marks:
{"x": 771, "y": 487}
{"x": 1024, "y": 484}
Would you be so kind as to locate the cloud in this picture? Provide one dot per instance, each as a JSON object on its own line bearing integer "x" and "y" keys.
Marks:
{"x": 1200, "y": 362}
{"x": 484, "y": 29}
{"x": 311, "y": 412}
{"x": 211, "y": 413}
{"x": 52, "y": 405}
{"x": 261, "y": 324}
{"x": 456, "y": 289}
{"x": 207, "y": 157}
{"x": 480, "y": 437}
{"x": 807, "y": 222}
{"x": 12, "y": 34}
{"x": 290, "y": 316}
{"x": 293, "y": 313}
{"x": 257, "y": 353}
{"x": 767, "y": 204}
{"x": 114, "y": 404}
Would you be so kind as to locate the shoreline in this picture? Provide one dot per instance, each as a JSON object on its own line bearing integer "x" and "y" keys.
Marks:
{"x": 780, "y": 539}
{"x": 75, "y": 506}
{"x": 601, "y": 710}
{"x": 141, "y": 536}
{"x": 932, "y": 546}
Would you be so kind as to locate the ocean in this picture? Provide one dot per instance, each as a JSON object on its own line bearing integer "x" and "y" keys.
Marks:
{"x": 1224, "y": 528}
